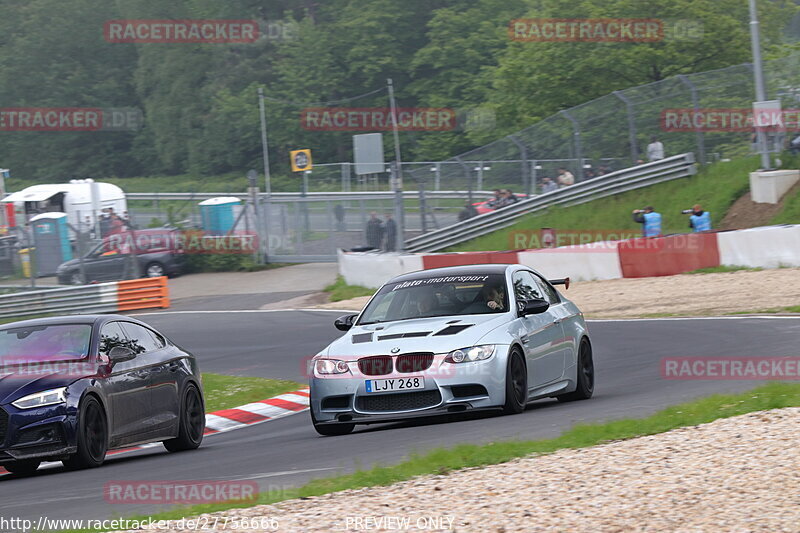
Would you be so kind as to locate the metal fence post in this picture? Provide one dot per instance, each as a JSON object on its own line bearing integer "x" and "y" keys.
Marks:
{"x": 523, "y": 152}
{"x": 468, "y": 173}
{"x": 631, "y": 126}
{"x": 701, "y": 141}
{"x": 576, "y": 137}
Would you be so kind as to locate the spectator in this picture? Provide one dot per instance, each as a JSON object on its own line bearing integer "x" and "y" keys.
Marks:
{"x": 794, "y": 145}
{"x": 565, "y": 177}
{"x": 497, "y": 199}
{"x": 655, "y": 150}
{"x": 548, "y": 185}
{"x": 105, "y": 223}
{"x": 390, "y": 228}
{"x": 603, "y": 170}
{"x": 700, "y": 220}
{"x": 338, "y": 214}
{"x": 650, "y": 220}
{"x": 509, "y": 197}
{"x": 589, "y": 174}
{"x": 374, "y": 231}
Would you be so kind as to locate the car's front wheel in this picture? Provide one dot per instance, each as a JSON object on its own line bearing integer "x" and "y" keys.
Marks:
{"x": 76, "y": 279}
{"x": 331, "y": 430}
{"x": 516, "y": 383}
{"x": 585, "y": 377}
{"x": 154, "y": 270}
{"x": 23, "y": 468}
{"x": 192, "y": 423}
{"x": 92, "y": 436}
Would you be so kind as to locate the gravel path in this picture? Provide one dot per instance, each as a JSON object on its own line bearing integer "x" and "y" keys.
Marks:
{"x": 683, "y": 295}
{"x": 738, "y": 474}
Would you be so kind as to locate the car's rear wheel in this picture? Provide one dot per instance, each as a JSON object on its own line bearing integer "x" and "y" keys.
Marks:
{"x": 154, "y": 270}
{"x": 331, "y": 430}
{"x": 92, "y": 436}
{"x": 192, "y": 423}
{"x": 585, "y": 378}
{"x": 516, "y": 383}
{"x": 23, "y": 468}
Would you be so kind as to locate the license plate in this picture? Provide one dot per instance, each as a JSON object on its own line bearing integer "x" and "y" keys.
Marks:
{"x": 397, "y": 384}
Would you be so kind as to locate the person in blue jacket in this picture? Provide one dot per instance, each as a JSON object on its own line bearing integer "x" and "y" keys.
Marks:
{"x": 650, "y": 220}
{"x": 700, "y": 220}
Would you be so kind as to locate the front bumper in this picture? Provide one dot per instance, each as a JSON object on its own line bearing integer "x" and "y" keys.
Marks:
{"x": 448, "y": 388}
{"x": 41, "y": 433}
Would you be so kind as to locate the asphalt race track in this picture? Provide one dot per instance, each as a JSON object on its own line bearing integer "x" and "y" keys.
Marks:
{"x": 288, "y": 451}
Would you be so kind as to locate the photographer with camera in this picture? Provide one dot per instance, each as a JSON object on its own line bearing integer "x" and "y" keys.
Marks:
{"x": 650, "y": 220}
{"x": 700, "y": 220}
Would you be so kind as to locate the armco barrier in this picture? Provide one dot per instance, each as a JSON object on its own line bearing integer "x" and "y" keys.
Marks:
{"x": 468, "y": 258}
{"x": 667, "y": 256}
{"x": 369, "y": 269}
{"x": 766, "y": 247}
{"x": 585, "y": 262}
{"x": 98, "y": 298}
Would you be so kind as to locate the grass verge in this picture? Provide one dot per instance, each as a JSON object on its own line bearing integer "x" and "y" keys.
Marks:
{"x": 724, "y": 268}
{"x": 224, "y": 392}
{"x": 443, "y": 461}
{"x": 340, "y": 290}
{"x": 716, "y": 187}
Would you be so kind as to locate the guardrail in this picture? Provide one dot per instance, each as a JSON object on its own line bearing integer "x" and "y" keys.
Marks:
{"x": 679, "y": 166}
{"x": 298, "y": 197}
{"x": 110, "y": 297}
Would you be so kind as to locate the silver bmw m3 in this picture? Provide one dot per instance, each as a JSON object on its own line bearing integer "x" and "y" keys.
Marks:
{"x": 450, "y": 340}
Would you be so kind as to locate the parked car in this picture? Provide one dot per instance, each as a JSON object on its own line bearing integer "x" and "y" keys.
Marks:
{"x": 74, "y": 387}
{"x": 450, "y": 340}
{"x": 159, "y": 252}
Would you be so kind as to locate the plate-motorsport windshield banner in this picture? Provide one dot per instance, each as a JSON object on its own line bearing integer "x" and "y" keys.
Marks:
{"x": 445, "y": 279}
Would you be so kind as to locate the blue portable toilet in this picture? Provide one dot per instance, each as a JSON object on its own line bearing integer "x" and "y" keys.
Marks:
{"x": 219, "y": 214}
{"x": 51, "y": 240}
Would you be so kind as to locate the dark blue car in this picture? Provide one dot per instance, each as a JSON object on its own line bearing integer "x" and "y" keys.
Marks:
{"x": 74, "y": 387}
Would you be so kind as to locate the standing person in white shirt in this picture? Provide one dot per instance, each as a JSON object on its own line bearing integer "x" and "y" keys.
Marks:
{"x": 655, "y": 150}
{"x": 565, "y": 177}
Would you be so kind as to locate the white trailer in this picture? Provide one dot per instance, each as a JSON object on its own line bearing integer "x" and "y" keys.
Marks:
{"x": 79, "y": 199}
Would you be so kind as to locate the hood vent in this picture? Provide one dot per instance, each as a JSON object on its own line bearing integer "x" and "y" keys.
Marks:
{"x": 452, "y": 330}
{"x": 404, "y": 335}
{"x": 362, "y": 337}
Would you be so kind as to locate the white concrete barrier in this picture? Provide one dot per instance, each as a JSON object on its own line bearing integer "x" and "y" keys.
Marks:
{"x": 768, "y": 187}
{"x": 599, "y": 260}
{"x": 370, "y": 269}
{"x": 766, "y": 247}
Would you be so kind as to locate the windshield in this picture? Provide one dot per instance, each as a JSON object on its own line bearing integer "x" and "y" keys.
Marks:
{"x": 60, "y": 342}
{"x": 443, "y": 296}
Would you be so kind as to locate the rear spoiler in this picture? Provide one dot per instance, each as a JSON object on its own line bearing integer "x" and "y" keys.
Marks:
{"x": 563, "y": 281}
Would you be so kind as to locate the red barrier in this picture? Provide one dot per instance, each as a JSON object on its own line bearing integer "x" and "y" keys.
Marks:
{"x": 666, "y": 256}
{"x": 468, "y": 258}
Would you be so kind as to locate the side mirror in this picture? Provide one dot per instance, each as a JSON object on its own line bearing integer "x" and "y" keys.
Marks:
{"x": 119, "y": 354}
{"x": 533, "y": 307}
{"x": 344, "y": 323}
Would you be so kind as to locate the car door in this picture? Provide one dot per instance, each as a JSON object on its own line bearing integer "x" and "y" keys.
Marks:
{"x": 541, "y": 335}
{"x": 163, "y": 378}
{"x": 104, "y": 265}
{"x": 126, "y": 387}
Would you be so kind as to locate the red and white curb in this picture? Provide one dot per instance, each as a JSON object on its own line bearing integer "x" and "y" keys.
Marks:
{"x": 236, "y": 418}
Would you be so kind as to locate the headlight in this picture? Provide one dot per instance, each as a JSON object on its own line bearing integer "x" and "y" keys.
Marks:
{"x": 466, "y": 355}
{"x": 40, "y": 399}
{"x": 331, "y": 366}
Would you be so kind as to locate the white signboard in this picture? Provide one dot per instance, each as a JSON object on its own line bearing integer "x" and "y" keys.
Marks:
{"x": 767, "y": 114}
{"x": 368, "y": 153}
